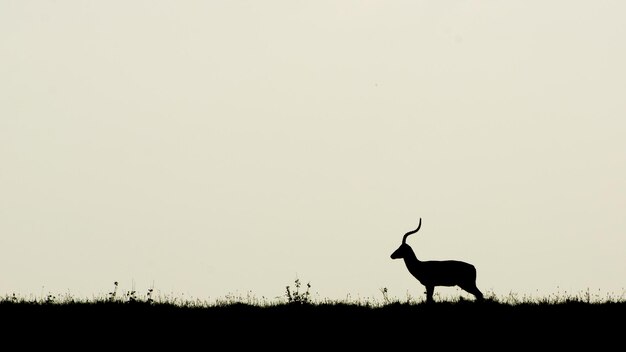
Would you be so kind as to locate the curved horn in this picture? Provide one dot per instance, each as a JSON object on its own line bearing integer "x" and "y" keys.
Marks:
{"x": 412, "y": 232}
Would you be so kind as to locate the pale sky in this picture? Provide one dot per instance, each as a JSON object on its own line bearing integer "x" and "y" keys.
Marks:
{"x": 210, "y": 148}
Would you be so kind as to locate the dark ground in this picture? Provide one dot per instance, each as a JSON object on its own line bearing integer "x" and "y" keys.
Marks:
{"x": 466, "y": 325}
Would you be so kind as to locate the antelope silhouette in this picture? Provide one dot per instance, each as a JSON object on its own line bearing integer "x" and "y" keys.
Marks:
{"x": 434, "y": 273}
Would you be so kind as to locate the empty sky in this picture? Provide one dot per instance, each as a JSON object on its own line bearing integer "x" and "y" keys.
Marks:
{"x": 208, "y": 148}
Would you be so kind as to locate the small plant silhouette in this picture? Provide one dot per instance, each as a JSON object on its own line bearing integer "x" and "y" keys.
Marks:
{"x": 150, "y": 300}
{"x": 113, "y": 293}
{"x": 297, "y": 297}
{"x": 385, "y": 295}
{"x": 50, "y": 299}
{"x": 131, "y": 296}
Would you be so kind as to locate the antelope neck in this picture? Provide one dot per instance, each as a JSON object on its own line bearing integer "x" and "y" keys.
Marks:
{"x": 410, "y": 258}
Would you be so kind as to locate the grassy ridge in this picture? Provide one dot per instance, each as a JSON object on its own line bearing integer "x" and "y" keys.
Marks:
{"x": 447, "y": 323}
{"x": 144, "y": 322}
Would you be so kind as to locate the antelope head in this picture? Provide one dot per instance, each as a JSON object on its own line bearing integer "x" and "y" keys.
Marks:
{"x": 404, "y": 248}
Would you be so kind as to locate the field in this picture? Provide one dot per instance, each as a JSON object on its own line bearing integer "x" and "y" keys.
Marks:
{"x": 297, "y": 322}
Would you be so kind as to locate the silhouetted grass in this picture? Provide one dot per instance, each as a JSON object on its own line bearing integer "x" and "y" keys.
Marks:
{"x": 244, "y": 320}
